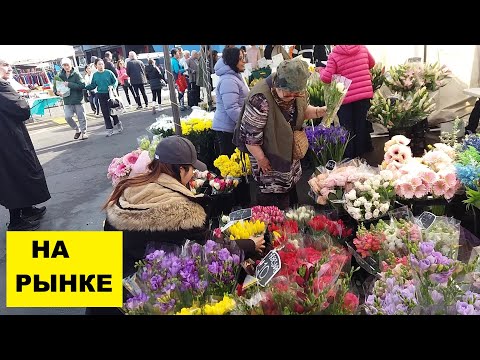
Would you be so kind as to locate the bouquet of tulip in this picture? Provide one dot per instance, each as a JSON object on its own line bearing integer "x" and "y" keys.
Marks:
{"x": 144, "y": 143}
{"x": 371, "y": 198}
{"x": 163, "y": 126}
{"x": 267, "y": 214}
{"x": 245, "y": 229}
{"x": 400, "y": 112}
{"x": 232, "y": 166}
{"x": 378, "y": 76}
{"x": 302, "y": 215}
{"x": 325, "y": 232}
{"x": 223, "y": 186}
{"x": 334, "y": 93}
{"x": 222, "y": 307}
{"x": 120, "y": 168}
{"x": 315, "y": 89}
{"x": 327, "y": 143}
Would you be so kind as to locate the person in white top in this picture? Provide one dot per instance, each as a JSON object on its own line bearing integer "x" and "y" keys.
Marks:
{"x": 92, "y": 94}
{"x": 183, "y": 60}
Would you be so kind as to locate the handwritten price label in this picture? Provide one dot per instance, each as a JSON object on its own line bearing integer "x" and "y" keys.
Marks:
{"x": 268, "y": 267}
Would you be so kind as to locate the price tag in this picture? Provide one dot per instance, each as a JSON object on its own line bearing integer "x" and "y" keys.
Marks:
{"x": 426, "y": 219}
{"x": 268, "y": 267}
{"x": 330, "y": 165}
{"x": 242, "y": 214}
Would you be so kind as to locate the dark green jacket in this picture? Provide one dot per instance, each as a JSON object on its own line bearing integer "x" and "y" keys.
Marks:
{"x": 75, "y": 84}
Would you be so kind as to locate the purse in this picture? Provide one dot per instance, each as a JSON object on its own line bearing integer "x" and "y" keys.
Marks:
{"x": 300, "y": 144}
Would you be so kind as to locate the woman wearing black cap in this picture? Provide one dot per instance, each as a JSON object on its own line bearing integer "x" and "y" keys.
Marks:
{"x": 157, "y": 211}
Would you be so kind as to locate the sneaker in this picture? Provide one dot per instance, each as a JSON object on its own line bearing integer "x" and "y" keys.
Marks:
{"x": 34, "y": 213}
{"x": 84, "y": 136}
{"x": 77, "y": 135}
{"x": 24, "y": 225}
{"x": 109, "y": 133}
{"x": 119, "y": 128}
{"x": 139, "y": 107}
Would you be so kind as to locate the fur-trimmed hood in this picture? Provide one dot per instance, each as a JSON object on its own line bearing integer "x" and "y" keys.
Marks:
{"x": 165, "y": 205}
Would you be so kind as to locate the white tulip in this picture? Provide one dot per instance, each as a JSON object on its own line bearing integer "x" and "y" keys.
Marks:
{"x": 225, "y": 219}
{"x": 340, "y": 87}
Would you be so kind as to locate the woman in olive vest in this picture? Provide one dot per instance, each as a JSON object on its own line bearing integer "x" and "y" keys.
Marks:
{"x": 274, "y": 108}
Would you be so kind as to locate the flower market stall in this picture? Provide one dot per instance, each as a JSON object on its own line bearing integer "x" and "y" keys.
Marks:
{"x": 379, "y": 240}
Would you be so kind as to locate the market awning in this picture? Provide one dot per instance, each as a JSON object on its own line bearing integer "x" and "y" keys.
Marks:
{"x": 31, "y": 54}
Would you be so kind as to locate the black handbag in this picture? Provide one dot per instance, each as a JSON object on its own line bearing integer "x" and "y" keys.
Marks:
{"x": 126, "y": 83}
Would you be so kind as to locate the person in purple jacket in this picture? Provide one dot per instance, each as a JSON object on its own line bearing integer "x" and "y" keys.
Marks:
{"x": 353, "y": 62}
{"x": 231, "y": 93}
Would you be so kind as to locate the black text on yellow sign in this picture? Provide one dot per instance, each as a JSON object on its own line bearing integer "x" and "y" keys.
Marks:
{"x": 64, "y": 269}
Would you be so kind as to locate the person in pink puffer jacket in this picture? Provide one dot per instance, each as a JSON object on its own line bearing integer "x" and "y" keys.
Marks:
{"x": 353, "y": 62}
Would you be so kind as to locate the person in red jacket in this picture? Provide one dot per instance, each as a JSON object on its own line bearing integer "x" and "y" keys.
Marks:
{"x": 353, "y": 62}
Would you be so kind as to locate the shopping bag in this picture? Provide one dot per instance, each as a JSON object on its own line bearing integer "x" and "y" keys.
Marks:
{"x": 181, "y": 82}
{"x": 115, "y": 104}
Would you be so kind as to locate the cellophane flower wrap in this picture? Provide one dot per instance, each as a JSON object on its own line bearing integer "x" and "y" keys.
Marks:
{"x": 324, "y": 233}
{"x": 315, "y": 89}
{"x": 334, "y": 94}
{"x": 223, "y": 186}
{"x": 327, "y": 143}
{"x": 199, "y": 280}
{"x": 467, "y": 168}
{"x": 329, "y": 186}
{"x": 120, "y": 168}
{"x": 200, "y": 182}
{"x": 244, "y": 229}
{"x": 302, "y": 215}
{"x": 267, "y": 214}
{"x": 163, "y": 126}
{"x": 444, "y": 233}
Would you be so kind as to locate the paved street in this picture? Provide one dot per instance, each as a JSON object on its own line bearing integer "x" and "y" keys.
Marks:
{"x": 76, "y": 176}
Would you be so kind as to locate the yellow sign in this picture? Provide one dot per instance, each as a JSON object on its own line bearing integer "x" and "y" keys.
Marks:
{"x": 64, "y": 269}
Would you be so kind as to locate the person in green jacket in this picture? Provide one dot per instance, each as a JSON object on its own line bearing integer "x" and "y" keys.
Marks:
{"x": 102, "y": 80}
{"x": 73, "y": 102}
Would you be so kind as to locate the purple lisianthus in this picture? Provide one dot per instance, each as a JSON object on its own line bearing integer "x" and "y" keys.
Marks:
{"x": 136, "y": 302}
{"x": 214, "y": 267}
{"x": 196, "y": 249}
{"x": 427, "y": 247}
{"x": 441, "y": 277}
{"x": 224, "y": 254}
{"x": 437, "y": 297}
{"x": 424, "y": 264}
{"x": 464, "y": 308}
{"x": 236, "y": 259}
{"x": 209, "y": 246}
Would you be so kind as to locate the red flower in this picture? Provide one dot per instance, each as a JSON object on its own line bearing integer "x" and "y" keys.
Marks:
{"x": 299, "y": 309}
{"x": 350, "y": 302}
{"x": 240, "y": 291}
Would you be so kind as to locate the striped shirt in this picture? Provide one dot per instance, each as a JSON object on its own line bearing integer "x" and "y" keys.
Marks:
{"x": 251, "y": 132}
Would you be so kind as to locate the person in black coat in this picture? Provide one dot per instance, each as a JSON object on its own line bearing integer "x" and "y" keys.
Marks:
{"x": 22, "y": 180}
{"x": 154, "y": 77}
{"x": 108, "y": 60}
{"x": 157, "y": 211}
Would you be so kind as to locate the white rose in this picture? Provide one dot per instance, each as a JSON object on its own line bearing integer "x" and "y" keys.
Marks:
{"x": 351, "y": 195}
{"x": 367, "y": 187}
{"x": 357, "y": 203}
{"x": 376, "y": 183}
{"x": 386, "y": 184}
{"x": 376, "y": 213}
{"x": 368, "y": 206}
{"x": 356, "y": 216}
{"x": 384, "y": 208}
{"x": 362, "y": 200}
{"x": 199, "y": 182}
{"x": 376, "y": 203}
{"x": 368, "y": 215}
{"x": 357, "y": 184}
{"x": 375, "y": 196}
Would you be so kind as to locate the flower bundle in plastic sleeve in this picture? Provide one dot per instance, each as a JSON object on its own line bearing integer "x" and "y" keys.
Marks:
{"x": 267, "y": 214}
{"x": 223, "y": 186}
{"x": 245, "y": 229}
{"x": 163, "y": 126}
{"x": 444, "y": 232}
{"x": 327, "y": 143}
{"x": 372, "y": 198}
{"x": 120, "y": 168}
{"x": 324, "y": 233}
{"x": 302, "y": 215}
{"x": 315, "y": 89}
{"x": 200, "y": 182}
{"x": 334, "y": 94}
